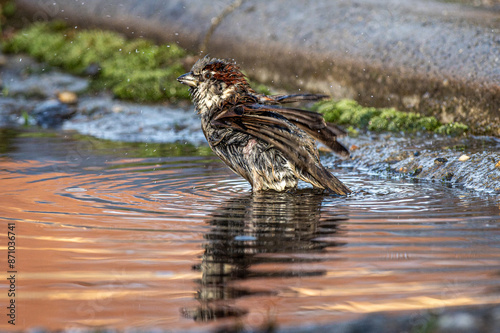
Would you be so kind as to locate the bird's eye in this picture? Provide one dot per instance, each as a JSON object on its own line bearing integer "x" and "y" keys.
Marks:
{"x": 207, "y": 75}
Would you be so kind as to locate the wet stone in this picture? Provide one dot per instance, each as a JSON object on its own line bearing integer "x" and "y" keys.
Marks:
{"x": 106, "y": 118}
{"x": 440, "y": 160}
{"x": 39, "y": 82}
{"x": 52, "y": 113}
{"x": 478, "y": 172}
{"x": 417, "y": 171}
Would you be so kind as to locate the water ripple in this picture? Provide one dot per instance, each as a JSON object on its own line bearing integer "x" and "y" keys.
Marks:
{"x": 182, "y": 241}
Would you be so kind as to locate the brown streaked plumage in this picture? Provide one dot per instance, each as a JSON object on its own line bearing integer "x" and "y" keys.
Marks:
{"x": 270, "y": 145}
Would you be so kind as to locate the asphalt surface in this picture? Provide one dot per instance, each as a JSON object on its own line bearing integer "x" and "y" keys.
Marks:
{"x": 437, "y": 58}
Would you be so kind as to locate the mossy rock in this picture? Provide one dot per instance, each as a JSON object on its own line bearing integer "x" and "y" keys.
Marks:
{"x": 350, "y": 113}
{"x": 137, "y": 70}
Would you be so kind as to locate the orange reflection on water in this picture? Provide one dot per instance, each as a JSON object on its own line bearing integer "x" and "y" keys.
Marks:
{"x": 190, "y": 247}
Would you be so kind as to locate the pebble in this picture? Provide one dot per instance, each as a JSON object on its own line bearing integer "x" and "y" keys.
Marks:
{"x": 440, "y": 160}
{"x": 67, "y": 97}
{"x": 464, "y": 158}
{"x": 497, "y": 165}
{"x": 417, "y": 171}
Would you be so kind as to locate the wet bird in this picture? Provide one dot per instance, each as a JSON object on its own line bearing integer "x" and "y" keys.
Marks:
{"x": 269, "y": 145}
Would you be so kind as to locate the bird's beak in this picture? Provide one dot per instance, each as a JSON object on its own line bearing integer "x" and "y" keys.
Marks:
{"x": 188, "y": 79}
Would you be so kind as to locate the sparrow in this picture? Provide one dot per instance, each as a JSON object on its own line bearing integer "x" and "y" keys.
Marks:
{"x": 268, "y": 144}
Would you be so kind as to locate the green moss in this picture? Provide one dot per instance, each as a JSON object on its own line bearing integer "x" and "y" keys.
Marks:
{"x": 349, "y": 112}
{"x": 137, "y": 70}
{"x": 352, "y": 131}
{"x": 452, "y": 129}
{"x": 149, "y": 85}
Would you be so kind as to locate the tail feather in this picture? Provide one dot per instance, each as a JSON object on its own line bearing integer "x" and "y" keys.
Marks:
{"x": 326, "y": 179}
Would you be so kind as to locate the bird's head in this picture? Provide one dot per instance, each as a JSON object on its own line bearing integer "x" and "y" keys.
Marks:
{"x": 213, "y": 81}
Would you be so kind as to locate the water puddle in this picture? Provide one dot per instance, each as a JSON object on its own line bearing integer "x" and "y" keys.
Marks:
{"x": 106, "y": 238}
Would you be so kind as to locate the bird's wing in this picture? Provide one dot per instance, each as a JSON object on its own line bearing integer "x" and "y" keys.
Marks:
{"x": 293, "y": 98}
{"x": 314, "y": 124}
{"x": 265, "y": 123}
{"x": 299, "y": 98}
{"x": 309, "y": 121}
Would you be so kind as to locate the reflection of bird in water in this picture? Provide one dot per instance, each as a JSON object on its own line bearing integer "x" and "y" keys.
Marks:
{"x": 255, "y": 224}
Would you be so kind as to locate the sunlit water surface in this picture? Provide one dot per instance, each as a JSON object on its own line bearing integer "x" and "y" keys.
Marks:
{"x": 106, "y": 239}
